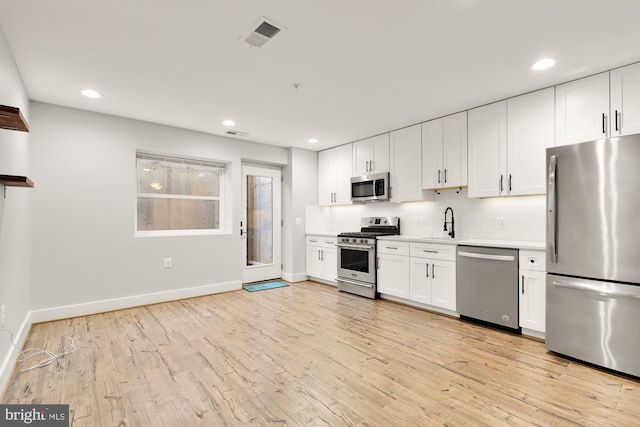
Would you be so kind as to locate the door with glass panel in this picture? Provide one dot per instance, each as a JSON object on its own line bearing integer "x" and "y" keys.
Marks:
{"x": 261, "y": 226}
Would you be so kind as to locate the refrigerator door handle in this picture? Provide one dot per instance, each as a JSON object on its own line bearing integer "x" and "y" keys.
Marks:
{"x": 600, "y": 290}
{"x": 552, "y": 216}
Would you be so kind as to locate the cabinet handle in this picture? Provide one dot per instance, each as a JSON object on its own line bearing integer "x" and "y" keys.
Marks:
{"x": 438, "y": 176}
{"x": 433, "y": 271}
{"x": 445, "y": 176}
{"x": 603, "y": 124}
{"x": 313, "y": 241}
{"x": 501, "y": 183}
{"x": 319, "y": 259}
{"x": 509, "y": 182}
{"x": 322, "y": 255}
{"x": 427, "y": 265}
{"x": 378, "y": 263}
{"x": 430, "y": 251}
{"x": 390, "y": 247}
{"x": 366, "y": 167}
{"x": 617, "y": 129}
{"x": 372, "y": 166}
{"x": 523, "y": 284}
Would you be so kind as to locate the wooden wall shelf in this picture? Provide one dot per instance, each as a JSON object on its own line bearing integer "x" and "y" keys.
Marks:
{"x": 15, "y": 181}
{"x": 11, "y": 118}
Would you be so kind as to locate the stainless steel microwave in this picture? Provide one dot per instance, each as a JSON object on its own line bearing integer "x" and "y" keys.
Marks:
{"x": 370, "y": 188}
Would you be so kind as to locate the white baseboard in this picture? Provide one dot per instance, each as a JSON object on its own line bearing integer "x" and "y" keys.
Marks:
{"x": 84, "y": 309}
{"x": 6, "y": 369}
{"x": 294, "y": 277}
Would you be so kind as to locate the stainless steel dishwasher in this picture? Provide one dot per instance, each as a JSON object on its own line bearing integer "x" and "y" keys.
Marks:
{"x": 487, "y": 285}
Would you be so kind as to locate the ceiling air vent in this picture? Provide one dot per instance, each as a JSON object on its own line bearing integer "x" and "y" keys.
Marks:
{"x": 236, "y": 133}
{"x": 261, "y": 32}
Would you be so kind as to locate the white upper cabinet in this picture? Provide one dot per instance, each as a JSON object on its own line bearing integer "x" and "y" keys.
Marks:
{"x": 582, "y": 110}
{"x": 507, "y": 143}
{"x": 444, "y": 152}
{"x": 405, "y": 164}
{"x": 625, "y": 100}
{"x": 530, "y": 130}
{"x": 371, "y": 155}
{"x": 334, "y": 176}
{"x": 487, "y": 150}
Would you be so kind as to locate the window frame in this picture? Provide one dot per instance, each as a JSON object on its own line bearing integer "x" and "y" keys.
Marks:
{"x": 220, "y": 165}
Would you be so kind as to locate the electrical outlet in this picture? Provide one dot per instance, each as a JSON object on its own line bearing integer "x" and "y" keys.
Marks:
{"x": 168, "y": 263}
{"x": 500, "y": 223}
{"x": 3, "y": 314}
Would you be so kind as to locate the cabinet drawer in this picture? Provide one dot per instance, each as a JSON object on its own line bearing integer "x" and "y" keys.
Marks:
{"x": 329, "y": 242}
{"x": 314, "y": 240}
{"x": 532, "y": 260}
{"x": 395, "y": 248}
{"x": 434, "y": 251}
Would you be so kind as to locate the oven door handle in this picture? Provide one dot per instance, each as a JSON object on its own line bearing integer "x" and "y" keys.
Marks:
{"x": 369, "y": 248}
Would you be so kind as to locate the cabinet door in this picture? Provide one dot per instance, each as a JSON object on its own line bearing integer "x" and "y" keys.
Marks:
{"x": 361, "y": 157}
{"x": 582, "y": 107}
{"x": 487, "y": 149}
{"x": 532, "y": 300}
{"x": 420, "y": 286}
{"x": 326, "y": 177}
{"x": 380, "y": 153}
{"x": 432, "y": 168}
{"x": 530, "y": 130}
{"x": 329, "y": 263}
{"x": 443, "y": 288}
{"x": 454, "y": 150}
{"x": 393, "y": 275}
{"x": 406, "y": 164}
{"x": 344, "y": 172}
{"x": 625, "y": 100}
{"x": 314, "y": 263}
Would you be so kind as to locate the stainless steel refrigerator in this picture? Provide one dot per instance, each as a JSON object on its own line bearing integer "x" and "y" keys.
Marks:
{"x": 593, "y": 252}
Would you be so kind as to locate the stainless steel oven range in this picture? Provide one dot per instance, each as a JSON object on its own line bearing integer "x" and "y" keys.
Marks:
{"x": 357, "y": 255}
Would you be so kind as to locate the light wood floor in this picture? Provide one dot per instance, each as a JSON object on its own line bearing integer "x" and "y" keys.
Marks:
{"x": 308, "y": 355}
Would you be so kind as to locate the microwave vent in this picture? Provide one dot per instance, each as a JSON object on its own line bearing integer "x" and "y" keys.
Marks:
{"x": 261, "y": 32}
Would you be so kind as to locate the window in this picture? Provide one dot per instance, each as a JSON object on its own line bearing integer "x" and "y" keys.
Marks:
{"x": 178, "y": 196}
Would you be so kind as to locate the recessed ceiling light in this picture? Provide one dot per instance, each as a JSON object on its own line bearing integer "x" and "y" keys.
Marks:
{"x": 90, "y": 93}
{"x": 544, "y": 63}
{"x": 313, "y": 141}
{"x": 229, "y": 123}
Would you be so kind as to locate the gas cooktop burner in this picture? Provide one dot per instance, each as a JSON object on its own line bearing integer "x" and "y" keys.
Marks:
{"x": 366, "y": 234}
{"x": 374, "y": 227}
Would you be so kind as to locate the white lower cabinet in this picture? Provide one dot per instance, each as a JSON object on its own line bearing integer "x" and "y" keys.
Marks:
{"x": 393, "y": 269}
{"x": 322, "y": 258}
{"x": 433, "y": 275}
{"x": 532, "y": 290}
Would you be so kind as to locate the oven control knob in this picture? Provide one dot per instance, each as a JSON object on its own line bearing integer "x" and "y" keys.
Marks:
{"x": 354, "y": 240}
{"x": 363, "y": 241}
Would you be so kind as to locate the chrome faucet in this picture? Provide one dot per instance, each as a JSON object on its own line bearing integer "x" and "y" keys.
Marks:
{"x": 452, "y": 232}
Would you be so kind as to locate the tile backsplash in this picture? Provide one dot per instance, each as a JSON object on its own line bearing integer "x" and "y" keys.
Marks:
{"x": 499, "y": 218}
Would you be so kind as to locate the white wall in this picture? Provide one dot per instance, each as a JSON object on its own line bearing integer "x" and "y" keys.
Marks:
{"x": 522, "y": 218}
{"x": 15, "y": 228}
{"x": 84, "y": 249}
{"x": 301, "y": 189}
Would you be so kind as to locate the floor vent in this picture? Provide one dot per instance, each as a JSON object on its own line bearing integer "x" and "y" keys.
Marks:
{"x": 236, "y": 133}
{"x": 261, "y": 32}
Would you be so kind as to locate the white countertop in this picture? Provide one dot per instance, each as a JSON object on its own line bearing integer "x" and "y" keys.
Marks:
{"x": 323, "y": 233}
{"x": 517, "y": 244}
{"x": 421, "y": 239}
{"x": 538, "y": 246}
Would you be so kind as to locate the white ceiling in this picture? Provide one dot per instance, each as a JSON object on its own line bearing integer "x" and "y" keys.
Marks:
{"x": 365, "y": 66}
